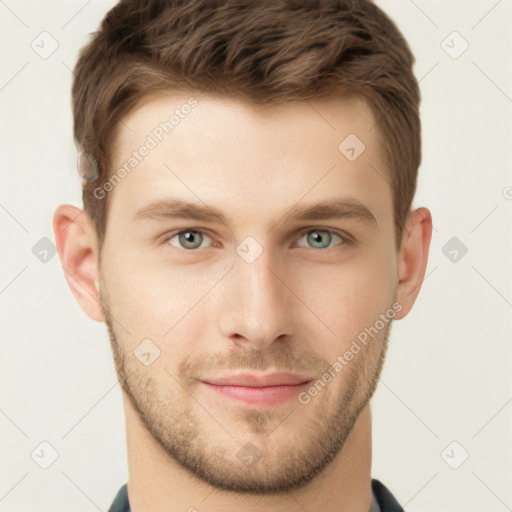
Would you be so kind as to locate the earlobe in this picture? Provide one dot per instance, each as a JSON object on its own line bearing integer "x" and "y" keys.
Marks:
{"x": 77, "y": 247}
{"x": 413, "y": 258}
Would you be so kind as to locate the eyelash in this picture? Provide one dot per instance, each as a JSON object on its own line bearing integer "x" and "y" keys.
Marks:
{"x": 344, "y": 238}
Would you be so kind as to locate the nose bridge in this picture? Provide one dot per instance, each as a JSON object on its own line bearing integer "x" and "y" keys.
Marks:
{"x": 259, "y": 308}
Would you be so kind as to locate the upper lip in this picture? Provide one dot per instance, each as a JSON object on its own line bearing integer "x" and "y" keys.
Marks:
{"x": 258, "y": 380}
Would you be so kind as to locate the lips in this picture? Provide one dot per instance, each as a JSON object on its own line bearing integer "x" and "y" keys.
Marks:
{"x": 256, "y": 380}
{"x": 258, "y": 389}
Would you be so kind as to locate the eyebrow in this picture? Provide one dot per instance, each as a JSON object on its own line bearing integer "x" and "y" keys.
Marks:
{"x": 341, "y": 208}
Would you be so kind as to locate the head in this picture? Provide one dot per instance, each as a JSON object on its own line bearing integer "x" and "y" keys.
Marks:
{"x": 293, "y": 128}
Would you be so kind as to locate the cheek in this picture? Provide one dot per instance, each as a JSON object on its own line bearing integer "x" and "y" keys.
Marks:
{"x": 156, "y": 300}
{"x": 346, "y": 297}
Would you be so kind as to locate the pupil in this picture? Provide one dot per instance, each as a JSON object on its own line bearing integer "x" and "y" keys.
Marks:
{"x": 317, "y": 237}
{"x": 189, "y": 237}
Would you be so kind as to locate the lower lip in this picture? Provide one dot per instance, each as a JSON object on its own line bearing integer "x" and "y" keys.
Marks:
{"x": 269, "y": 395}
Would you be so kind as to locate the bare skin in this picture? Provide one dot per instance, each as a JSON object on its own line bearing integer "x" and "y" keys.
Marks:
{"x": 298, "y": 306}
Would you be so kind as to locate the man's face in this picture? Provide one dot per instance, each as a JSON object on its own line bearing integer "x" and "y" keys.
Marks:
{"x": 266, "y": 293}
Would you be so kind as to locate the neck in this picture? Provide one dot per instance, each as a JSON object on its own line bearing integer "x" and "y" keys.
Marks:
{"x": 157, "y": 483}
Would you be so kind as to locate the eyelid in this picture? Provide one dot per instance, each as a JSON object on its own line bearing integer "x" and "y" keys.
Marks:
{"x": 347, "y": 240}
{"x": 171, "y": 234}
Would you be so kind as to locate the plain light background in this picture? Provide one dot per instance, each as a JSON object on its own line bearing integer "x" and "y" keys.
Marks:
{"x": 447, "y": 375}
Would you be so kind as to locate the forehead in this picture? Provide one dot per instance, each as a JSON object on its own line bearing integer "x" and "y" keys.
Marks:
{"x": 164, "y": 116}
{"x": 216, "y": 150}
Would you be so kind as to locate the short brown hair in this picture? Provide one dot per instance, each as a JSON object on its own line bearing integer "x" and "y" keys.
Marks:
{"x": 262, "y": 51}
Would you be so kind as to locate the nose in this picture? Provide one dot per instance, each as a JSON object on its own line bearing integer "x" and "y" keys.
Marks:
{"x": 256, "y": 307}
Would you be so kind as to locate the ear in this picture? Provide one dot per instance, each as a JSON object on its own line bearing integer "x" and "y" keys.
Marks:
{"x": 412, "y": 259}
{"x": 77, "y": 246}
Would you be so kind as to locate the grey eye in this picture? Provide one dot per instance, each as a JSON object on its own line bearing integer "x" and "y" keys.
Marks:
{"x": 188, "y": 239}
{"x": 320, "y": 238}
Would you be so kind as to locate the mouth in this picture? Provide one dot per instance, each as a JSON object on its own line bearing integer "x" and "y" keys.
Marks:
{"x": 258, "y": 389}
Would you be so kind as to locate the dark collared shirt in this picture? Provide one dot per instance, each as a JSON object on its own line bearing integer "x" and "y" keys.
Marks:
{"x": 382, "y": 500}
